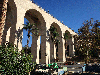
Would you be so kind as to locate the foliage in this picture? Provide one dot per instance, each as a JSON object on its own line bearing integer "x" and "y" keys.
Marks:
{"x": 67, "y": 36}
{"x": 31, "y": 28}
{"x": 96, "y": 37}
{"x": 14, "y": 62}
{"x": 54, "y": 34}
{"x": 87, "y": 40}
{"x": 28, "y": 50}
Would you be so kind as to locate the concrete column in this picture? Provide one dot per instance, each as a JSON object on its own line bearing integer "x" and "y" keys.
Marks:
{"x": 60, "y": 50}
{"x": 5, "y": 33}
{"x": 43, "y": 45}
{"x": 71, "y": 47}
{"x": 38, "y": 48}
{"x": 8, "y": 35}
{"x": 64, "y": 57}
{"x": 54, "y": 51}
{"x": 48, "y": 53}
{"x": 51, "y": 51}
{"x": 8, "y": 24}
{"x": 47, "y": 50}
{"x": 47, "y": 45}
{"x": 34, "y": 48}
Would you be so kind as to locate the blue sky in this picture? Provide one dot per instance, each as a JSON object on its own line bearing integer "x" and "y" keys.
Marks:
{"x": 72, "y": 12}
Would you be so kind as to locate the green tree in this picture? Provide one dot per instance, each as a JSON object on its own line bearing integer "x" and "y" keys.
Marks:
{"x": 54, "y": 35}
{"x": 87, "y": 40}
{"x": 28, "y": 49}
{"x": 14, "y": 62}
{"x": 96, "y": 38}
{"x": 66, "y": 37}
{"x": 32, "y": 28}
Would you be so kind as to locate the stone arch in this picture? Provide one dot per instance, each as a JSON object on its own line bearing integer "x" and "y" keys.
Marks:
{"x": 34, "y": 16}
{"x": 67, "y": 39}
{"x": 68, "y": 44}
{"x": 10, "y": 22}
{"x": 56, "y": 51}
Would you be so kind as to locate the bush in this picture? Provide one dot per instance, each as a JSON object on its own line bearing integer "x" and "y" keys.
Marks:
{"x": 14, "y": 62}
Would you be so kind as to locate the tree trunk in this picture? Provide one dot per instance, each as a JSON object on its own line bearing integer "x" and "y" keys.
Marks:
{"x": 28, "y": 41}
{"x": 87, "y": 58}
{"x": 3, "y": 10}
{"x": 65, "y": 44}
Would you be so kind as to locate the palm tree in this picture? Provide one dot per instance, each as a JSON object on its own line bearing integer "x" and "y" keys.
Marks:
{"x": 66, "y": 37}
{"x": 32, "y": 28}
{"x": 3, "y": 10}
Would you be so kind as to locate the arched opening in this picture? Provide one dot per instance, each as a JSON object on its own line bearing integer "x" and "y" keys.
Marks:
{"x": 56, "y": 49}
{"x": 38, "y": 46}
{"x": 10, "y": 23}
{"x": 68, "y": 43}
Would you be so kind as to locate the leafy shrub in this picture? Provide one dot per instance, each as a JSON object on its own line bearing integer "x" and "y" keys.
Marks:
{"x": 14, "y": 62}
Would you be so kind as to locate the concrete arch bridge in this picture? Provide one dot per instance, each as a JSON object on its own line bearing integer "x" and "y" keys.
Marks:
{"x": 12, "y": 19}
